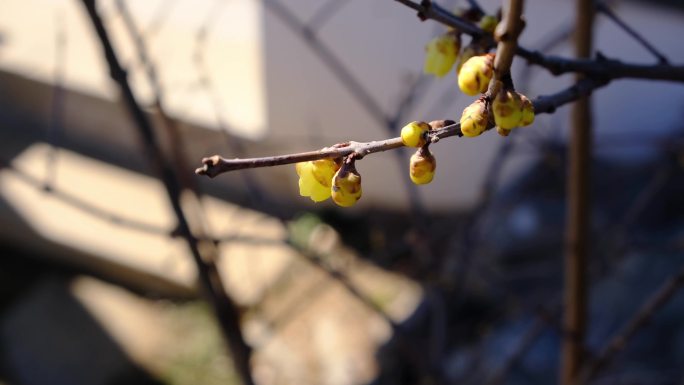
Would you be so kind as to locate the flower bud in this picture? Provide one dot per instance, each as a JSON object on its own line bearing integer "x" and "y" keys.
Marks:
{"x": 507, "y": 109}
{"x": 346, "y": 186}
{"x": 413, "y": 134}
{"x": 474, "y": 118}
{"x": 475, "y": 74}
{"x": 527, "y": 111}
{"x": 488, "y": 23}
{"x": 422, "y": 166}
{"x": 441, "y": 53}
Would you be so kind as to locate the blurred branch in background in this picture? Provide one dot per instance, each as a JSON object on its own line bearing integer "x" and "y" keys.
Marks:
{"x": 204, "y": 255}
{"x": 605, "y": 9}
{"x": 578, "y": 209}
{"x": 647, "y": 311}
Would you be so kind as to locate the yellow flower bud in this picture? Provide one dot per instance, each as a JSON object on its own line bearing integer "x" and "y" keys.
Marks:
{"x": 346, "y": 186}
{"x": 527, "y": 111}
{"x": 422, "y": 167}
{"x": 309, "y": 186}
{"x": 488, "y": 23}
{"x": 474, "y": 119}
{"x": 507, "y": 109}
{"x": 441, "y": 53}
{"x": 413, "y": 134}
{"x": 475, "y": 74}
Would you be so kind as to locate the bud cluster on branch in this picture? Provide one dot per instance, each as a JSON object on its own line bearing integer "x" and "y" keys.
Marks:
{"x": 482, "y": 67}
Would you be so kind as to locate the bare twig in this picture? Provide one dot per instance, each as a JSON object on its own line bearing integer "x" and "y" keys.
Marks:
{"x": 226, "y": 310}
{"x": 659, "y": 299}
{"x": 578, "y": 212}
{"x": 601, "y": 67}
{"x": 255, "y": 192}
{"x": 605, "y": 9}
{"x": 216, "y": 165}
{"x": 431, "y": 10}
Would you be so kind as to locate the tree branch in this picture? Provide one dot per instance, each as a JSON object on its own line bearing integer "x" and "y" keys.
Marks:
{"x": 578, "y": 211}
{"x": 506, "y": 34}
{"x": 600, "y": 67}
{"x": 226, "y": 310}
{"x": 216, "y": 165}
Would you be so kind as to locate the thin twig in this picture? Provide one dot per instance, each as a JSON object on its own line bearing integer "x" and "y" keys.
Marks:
{"x": 602, "y": 7}
{"x": 601, "y": 67}
{"x": 256, "y": 194}
{"x": 216, "y": 165}
{"x": 226, "y": 310}
{"x": 433, "y": 11}
{"x": 640, "y": 319}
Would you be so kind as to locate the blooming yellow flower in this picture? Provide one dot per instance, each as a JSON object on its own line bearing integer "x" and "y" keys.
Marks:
{"x": 309, "y": 186}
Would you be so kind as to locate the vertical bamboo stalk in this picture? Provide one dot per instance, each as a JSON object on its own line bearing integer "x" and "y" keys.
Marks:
{"x": 578, "y": 212}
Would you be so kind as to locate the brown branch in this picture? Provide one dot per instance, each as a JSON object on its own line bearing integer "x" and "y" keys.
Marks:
{"x": 506, "y": 34}
{"x": 431, "y": 10}
{"x": 226, "y": 310}
{"x": 216, "y": 165}
{"x": 578, "y": 212}
{"x": 599, "y": 67}
{"x": 659, "y": 299}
